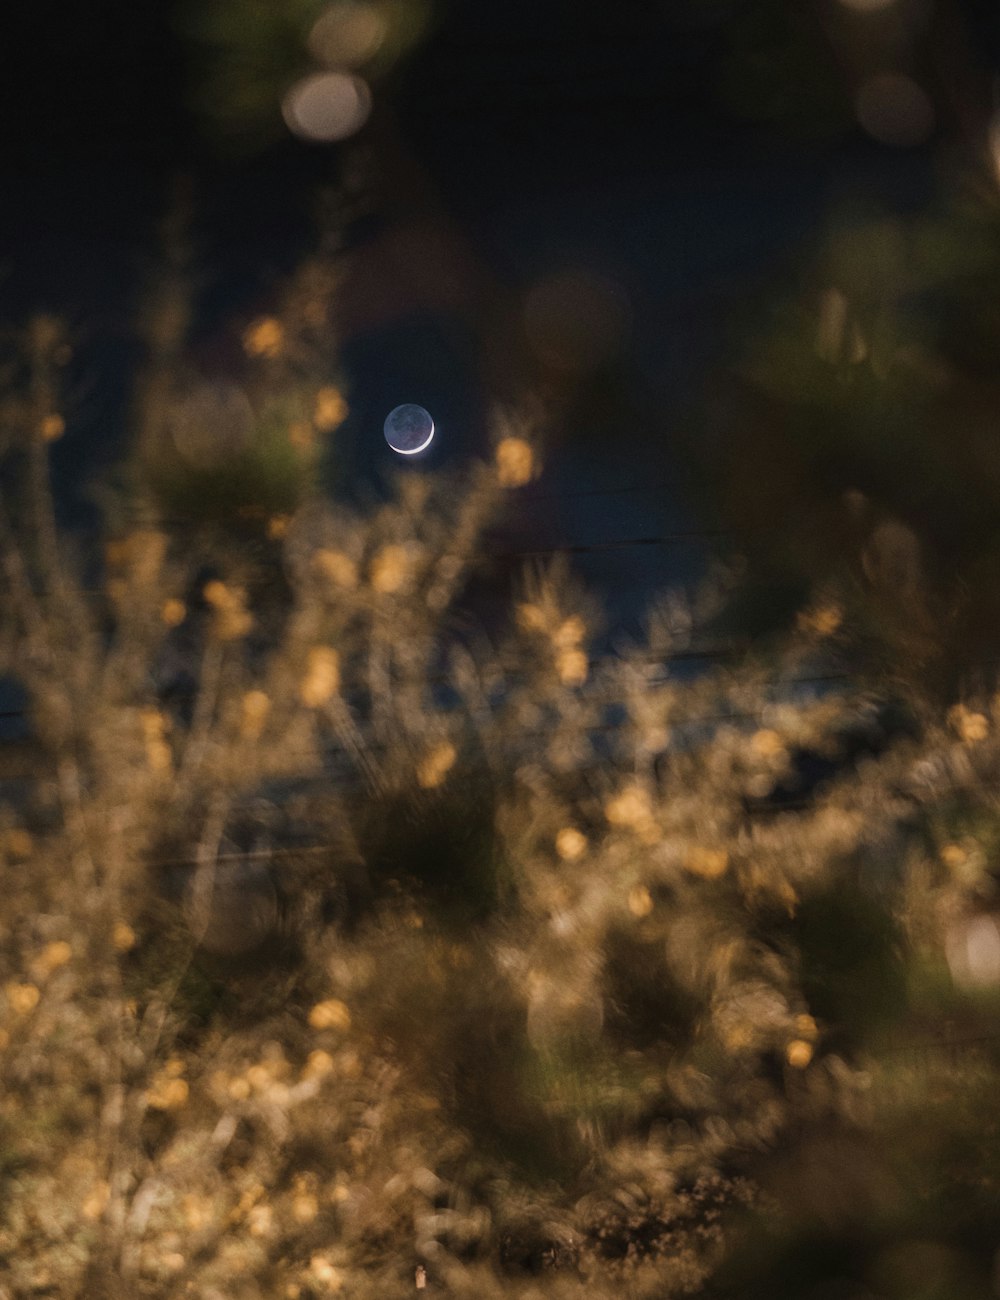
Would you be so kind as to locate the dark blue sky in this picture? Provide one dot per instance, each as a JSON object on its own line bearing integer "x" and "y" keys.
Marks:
{"x": 541, "y": 138}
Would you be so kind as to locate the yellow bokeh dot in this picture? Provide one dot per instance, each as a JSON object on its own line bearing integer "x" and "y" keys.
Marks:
{"x": 798, "y": 1053}
{"x": 322, "y": 677}
{"x": 305, "y": 1207}
{"x": 173, "y": 612}
{"x": 23, "y": 998}
{"x": 805, "y": 1027}
{"x": 52, "y": 427}
{"x": 708, "y": 863}
{"x": 277, "y": 527}
{"x": 390, "y": 569}
{"x": 570, "y": 632}
{"x": 572, "y": 667}
{"x": 52, "y": 956}
{"x": 640, "y": 901}
{"x": 570, "y": 844}
{"x": 331, "y": 1014}
{"x": 318, "y": 1065}
{"x": 330, "y": 410}
{"x": 954, "y": 856}
{"x": 167, "y": 1093}
{"x": 264, "y": 337}
{"x": 436, "y": 765}
{"x": 629, "y": 808}
{"x": 336, "y": 567}
{"x": 96, "y": 1200}
{"x": 515, "y": 462}
{"x": 766, "y": 744}
{"x": 821, "y": 621}
{"x": 123, "y": 936}
{"x": 239, "y": 1089}
{"x": 18, "y": 842}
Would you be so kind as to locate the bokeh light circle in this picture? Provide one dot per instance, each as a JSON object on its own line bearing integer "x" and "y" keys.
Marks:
{"x": 347, "y": 34}
{"x": 327, "y": 106}
{"x": 894, "y": 110}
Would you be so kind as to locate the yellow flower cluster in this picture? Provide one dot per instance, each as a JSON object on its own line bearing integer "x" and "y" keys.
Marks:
{"x": 232, "y": 619}
{"x": 123, "y": 937}
{"x": 640, "y": 901}
{"x": 322, "y": 677}
{"x": 436, "y": 765}
{"x": 515, "y": 462}
{"x": 264, "y": 337}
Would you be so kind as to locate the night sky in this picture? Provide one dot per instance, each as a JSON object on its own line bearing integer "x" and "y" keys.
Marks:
{"x": 519, "y": 141}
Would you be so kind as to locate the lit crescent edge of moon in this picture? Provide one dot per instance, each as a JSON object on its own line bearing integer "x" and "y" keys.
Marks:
{"x": 413, "y": 451}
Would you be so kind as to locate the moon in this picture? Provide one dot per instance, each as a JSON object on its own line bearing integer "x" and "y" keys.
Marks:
{"x": 408, "y": 429}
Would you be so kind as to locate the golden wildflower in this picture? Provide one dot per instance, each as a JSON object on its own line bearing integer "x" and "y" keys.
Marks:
{"x": 822, "y": 621}
{"x": 173, "y": 612}
{"x": 264, "y": 337}
{"x": 766, "y": 744}
{"x": 53, "y": 426}
{"x": 640, "y": 901}
{"x": 390, "y": 569}
{"x": 174, "y": 1067}
{"x": 301, "y": 435}
{"x": 259, "y": 1078}
{"x": 96, "y": 1200}
{"x": 570, "y": 844}
{"x": 167, "y": 1093}
{"x": 322, "y": 676}
{"x": 629, "y": 808}
{"x": 436, "y": 765}
{"x": 515, "y": 462}
{"x": 572, "y": 667}
{"x": 954, "y": 856}
{"x": 336, "y": 567}
{"x": 17, "y": 842}
{"x": 254, "y": 708}
{"x": 330, "y": 410}
{"x": 708, "y": 863}
{"x": 331, "y": 1014}
{"x": 798, "y": 1053}
{"x": 22, "y": 998}
{"x": 277, "y": 527}
{"x": 52, "y": 956}
{"x": 318, "y": 1065}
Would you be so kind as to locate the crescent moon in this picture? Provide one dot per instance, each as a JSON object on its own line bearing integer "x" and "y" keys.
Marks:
{"x": 414, "y": 450}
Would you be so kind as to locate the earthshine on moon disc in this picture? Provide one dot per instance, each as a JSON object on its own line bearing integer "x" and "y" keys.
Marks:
{"x": 408, "y": 429}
